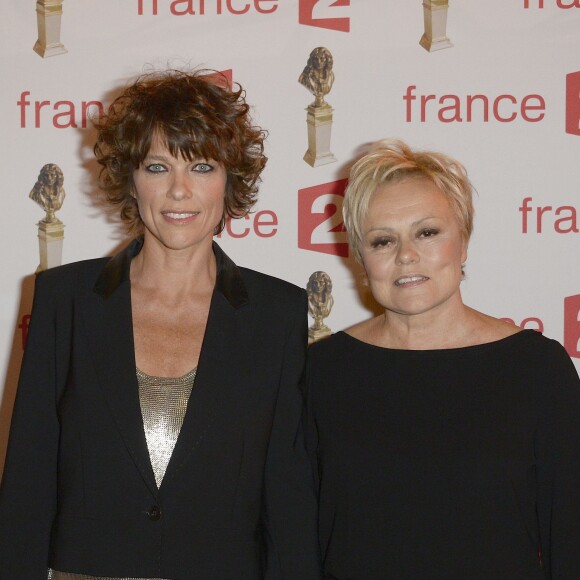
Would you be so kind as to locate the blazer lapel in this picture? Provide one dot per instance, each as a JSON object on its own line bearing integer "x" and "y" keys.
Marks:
{"x": 109, "y": 325}
{"x": 224, "y": 348}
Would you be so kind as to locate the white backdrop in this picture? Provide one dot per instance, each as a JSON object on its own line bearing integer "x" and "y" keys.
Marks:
{"x": 524, "y": 256}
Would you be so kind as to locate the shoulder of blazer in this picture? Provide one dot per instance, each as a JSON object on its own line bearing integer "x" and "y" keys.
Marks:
{"x": 74, "y": 277}
{"x": 104, "y": 275}
{"x": 265, "y": 287}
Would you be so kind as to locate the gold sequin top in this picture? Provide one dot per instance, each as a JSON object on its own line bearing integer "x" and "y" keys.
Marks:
{"x": 54, "y": 575}
{"x": 163, "y": 403}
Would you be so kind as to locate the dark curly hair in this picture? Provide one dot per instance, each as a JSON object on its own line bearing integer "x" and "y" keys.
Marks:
{"x": 197, "y": 115}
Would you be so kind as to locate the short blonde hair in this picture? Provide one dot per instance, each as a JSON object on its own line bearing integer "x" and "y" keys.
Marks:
{"x": 391, "y": 161}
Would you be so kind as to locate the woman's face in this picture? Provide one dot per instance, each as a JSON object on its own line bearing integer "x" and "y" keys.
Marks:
{"x": 180, "y": 202}
{"x": 412, "y": 248}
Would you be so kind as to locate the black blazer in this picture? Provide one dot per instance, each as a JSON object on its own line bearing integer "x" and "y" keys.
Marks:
{"x": 79, "y": 494}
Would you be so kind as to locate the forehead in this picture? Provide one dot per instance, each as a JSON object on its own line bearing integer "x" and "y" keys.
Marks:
{"x": 411, "y": 192}
{"x": 413, "y": 198}
{"x": 158, "y": 144}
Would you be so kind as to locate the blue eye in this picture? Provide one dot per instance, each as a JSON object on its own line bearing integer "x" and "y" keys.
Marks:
{"x": 155, "y": 168}
{"x": 203, "y": 167}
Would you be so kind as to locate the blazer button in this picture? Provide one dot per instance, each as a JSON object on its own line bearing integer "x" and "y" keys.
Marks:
{"x": 154, "y": 513}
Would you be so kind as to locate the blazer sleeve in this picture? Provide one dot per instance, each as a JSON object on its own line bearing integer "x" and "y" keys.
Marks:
{"x": 557, "y": 447}
{"x": 28, "y": 492}
{"x": 290, "y": 506}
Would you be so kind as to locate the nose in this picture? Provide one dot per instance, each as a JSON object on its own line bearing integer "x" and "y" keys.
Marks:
{"x": 407, "y": 254}
{"x": 180, "y": 186}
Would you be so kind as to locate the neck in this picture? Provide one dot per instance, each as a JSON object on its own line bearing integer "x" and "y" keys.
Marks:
{"x": 446, "y": 326}
{"x": 174, "y": 271}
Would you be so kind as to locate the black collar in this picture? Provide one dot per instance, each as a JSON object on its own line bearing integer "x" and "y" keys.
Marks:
{"x": 229, "y": 278}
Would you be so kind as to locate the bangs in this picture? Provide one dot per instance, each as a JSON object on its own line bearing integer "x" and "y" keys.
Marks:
{"x": 184, "y": 142}
{"x": 190, "y": 143}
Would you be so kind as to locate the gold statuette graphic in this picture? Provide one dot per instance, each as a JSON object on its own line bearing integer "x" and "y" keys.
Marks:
{"x": 49, "y": 194}
{"x": 435, "y": 17}
{"x": 48, "y": 16}
{"x": 320, "y": 301}
{"x": 318, "y": 78}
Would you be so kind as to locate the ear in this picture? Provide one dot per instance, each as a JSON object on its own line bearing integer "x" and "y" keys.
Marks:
{"x": 464, "y": 251}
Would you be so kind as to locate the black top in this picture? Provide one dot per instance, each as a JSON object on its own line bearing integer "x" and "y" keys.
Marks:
{"x": 446, "y": 464}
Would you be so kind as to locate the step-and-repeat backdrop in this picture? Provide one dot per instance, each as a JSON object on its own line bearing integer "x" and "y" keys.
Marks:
{"x": 495, "y": 83}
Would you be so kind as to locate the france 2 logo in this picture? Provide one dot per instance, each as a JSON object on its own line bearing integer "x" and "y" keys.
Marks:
{"x": 573, "y": 103}
{"x": 320, "y": 225}
{"x": 572, "y": 325}
{"x": 324, "y": 14}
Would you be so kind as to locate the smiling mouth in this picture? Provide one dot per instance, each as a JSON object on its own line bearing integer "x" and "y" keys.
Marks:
{"x": 180, "y": 215}
{"x": 407, "y": 280}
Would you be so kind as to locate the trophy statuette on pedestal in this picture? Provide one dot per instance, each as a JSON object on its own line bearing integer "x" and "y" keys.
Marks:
{"x": 435, "y": 20}
{"x": 48, "y": 17}
{"x": 320, "y": 302}
{"x": 48, "y": 193}
{"x": 318, "y": 78}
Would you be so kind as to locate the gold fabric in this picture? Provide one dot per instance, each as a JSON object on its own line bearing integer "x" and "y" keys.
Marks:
{"x": 54, "y": 575}
{"x": 163, "y": 404}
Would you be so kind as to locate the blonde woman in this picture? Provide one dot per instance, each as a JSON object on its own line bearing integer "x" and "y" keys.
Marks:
{"x": 446, "y": 442}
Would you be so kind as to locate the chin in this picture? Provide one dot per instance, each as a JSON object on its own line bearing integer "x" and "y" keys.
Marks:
{"x": 179, "y": 244}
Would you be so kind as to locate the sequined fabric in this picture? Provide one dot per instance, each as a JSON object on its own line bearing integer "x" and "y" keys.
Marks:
{"x": 163, "y": 404}
{"x": 54, "y": 575}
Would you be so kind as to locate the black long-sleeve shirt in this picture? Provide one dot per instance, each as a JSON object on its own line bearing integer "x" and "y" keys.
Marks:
{"x": 446, "y": 464}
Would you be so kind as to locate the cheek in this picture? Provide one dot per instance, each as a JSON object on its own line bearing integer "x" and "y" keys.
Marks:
{"x": 217, "y": 192}
{"x": 376, "y": 267}
{"x": 218, "y": 202}
{"x": 450, "y": 253}
{"x": 459, "y": 253}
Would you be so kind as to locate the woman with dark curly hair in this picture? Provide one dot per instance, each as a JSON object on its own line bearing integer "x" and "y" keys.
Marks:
{"x": 156, "y": 432}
